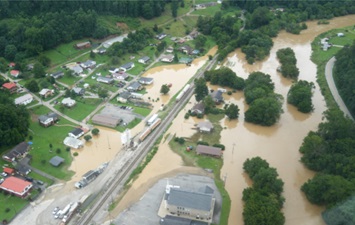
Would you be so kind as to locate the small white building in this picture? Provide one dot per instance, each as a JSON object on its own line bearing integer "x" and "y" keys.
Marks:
{"x": 68, "y": 102}
{"x": 144, "y": 59}
{"x": 24, "y": 100}
{"x": 340, "y": 34}
{"x": 73, "y": 142}
{"x": 105, "y": 80}
{"x": 167, "y": 58}
{"x": 45, "y": 92}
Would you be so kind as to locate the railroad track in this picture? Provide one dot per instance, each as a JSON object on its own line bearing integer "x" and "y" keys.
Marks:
{"x": 144, "y": 148}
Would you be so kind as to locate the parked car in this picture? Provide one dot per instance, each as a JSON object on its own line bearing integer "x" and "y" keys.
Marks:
{"x": 4, "y": 174}
{"x": 55, "y": 210}
{"x": 1, "y": 180}
{"x": 39, "y": 182}
{"x": 30, "y": 179}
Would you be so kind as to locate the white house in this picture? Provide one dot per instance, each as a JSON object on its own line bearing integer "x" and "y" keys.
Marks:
{"x": 120, "y": 76}
{"x": 24, "y": 100}
{"x": 76, "y": 133}
{"x": 167, "y": 58}
{"x": 88, "y": 64}
{"x": 146, "y": 80}
{"x": 105, "y": 80}
{"x": 73, "y": 142}
{"x": 77, "y": 69}
{"x": 340, "y": 34}
{"x": 45, "y": 92}
{"x": 68, "y": 102}
{"x": 144, "y": 59}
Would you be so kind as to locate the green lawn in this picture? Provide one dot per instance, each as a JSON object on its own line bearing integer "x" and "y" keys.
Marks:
{"x": 191, "y": 21}
{"x": 176, "y": 28}
{"x": 209, "y": 11}
{"x": 36, "y": 176}
{"x": 69, "y": 80}
{"x": 82, "y": 108}
{"x": 94, "y": 84}
{"x": 12, "y": 203}
{"x": 132, "y": 124}
{"x": 42, "y": 137}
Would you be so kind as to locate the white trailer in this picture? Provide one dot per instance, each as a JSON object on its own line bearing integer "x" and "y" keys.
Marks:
{"x": 182, "y": 93}
{"x": 152, "y": 119}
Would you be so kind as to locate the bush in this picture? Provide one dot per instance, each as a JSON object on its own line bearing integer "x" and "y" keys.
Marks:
{"x": 7, "y": 210}
{"x": 75, "y": 154}
{"x": 229, "y": 93}
{"x": 58, "y": 151}
{"x": 219, "y": 146}
{"x": 202, "y": 143}
{"x": 200, "y": 116}
{"x": 187, "y": 115}
{"x": 95, "y": 131}
{"x": 67, "y": 149}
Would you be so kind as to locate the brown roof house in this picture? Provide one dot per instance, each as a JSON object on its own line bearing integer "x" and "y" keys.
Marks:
{"x": 205, "y": 126}
{"x": 83, "y": 45}
{"x": 208, "y": 150}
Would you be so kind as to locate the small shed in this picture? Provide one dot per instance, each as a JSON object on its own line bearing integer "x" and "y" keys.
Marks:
{"x": 205, "y": 126}
{"x": 56, "y": 161}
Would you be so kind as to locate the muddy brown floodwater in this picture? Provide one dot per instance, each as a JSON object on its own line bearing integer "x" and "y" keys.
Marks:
{"x": 278, "y": 144}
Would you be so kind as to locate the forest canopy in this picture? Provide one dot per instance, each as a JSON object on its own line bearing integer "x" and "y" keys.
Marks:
{"x": 14, "y": 121}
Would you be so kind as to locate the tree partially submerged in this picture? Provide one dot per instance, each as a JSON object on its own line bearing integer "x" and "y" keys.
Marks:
{"x": 300, "y": 95}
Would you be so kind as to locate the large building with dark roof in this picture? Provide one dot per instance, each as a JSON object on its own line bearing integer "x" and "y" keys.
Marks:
{"x": 191, "y": 205}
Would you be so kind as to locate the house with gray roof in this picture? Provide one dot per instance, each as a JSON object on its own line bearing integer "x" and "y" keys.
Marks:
{"x": 127, "y": 66}
{"x": 167, "y": 58}
{"x": 73, "y": 142}
{"x": 77, "y": 69}
{"x": 78, "y": 90}
{"x": 144, "y": 59}
{"x": 174, "y": 220}
{"x": 124, "y": 96}
{"x": 106, "y": 120}
{"x": 198, "y": 108}
{"x": 19, "y": 151}
{"x": 57, "y": 75}
{"x": 68, "y": 102}
{"x": 217, "y": 96}
{"x": 24, "y": 100}
{"x": 134, "y": 86}
{"x": 191, "y": 205}
{"x": 205, "y": 126}
{"x": 146, "y": 80}
{"x": 106, "y": 80}
{"x": 88, "y": 64}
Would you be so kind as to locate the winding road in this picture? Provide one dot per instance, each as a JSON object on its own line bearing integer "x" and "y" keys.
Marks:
{"x": 333, "y": 88}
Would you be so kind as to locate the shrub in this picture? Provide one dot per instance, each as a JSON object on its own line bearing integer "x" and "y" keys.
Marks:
{"x": 229, "y": 93}
{"x": 67, "y": 149}
{"x": 187, "y": 115}
{"x": 75, "y": 154}
{"x": 58, "y": 151}
{"x": 219, "y": 146}
{"x": 202, "y": 143}
{"x": 7, "y": 210}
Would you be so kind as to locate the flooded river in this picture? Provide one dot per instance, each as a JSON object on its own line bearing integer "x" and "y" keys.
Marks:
{"x": 278, "y": 144}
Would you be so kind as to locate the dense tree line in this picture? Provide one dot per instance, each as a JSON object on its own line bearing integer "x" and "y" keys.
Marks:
{"x": 132, "y": 44}
{"x": 34, "y": 26}
{"x": 331, "y": 152}
{"x": 265, "y": 106}
{"x": 344, "y": 75}
{"x": 14, "y": 121}
{"x": 263, "y": 201}
{"x": 345, "y": 209}
{"x": 225, "y": 77}
{"x": 288, "y": 62}
{"x": 300, "y": 95}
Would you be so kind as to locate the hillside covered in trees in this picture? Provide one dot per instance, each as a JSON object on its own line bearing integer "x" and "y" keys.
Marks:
{"x": 344, "y": 75}
{"x": 28, "y": 28}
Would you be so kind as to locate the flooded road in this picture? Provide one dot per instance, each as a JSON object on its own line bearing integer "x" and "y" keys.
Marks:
{"x": 278, "y": 144}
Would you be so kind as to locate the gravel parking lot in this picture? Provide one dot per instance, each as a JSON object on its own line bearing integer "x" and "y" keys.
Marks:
{"x": 145, "y": 211}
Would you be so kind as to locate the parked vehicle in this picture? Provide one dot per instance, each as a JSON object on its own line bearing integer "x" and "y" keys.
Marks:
{"x": 39, "y": 182}
{"x": 4, "y": 174}
{"x": 55, "y": 210}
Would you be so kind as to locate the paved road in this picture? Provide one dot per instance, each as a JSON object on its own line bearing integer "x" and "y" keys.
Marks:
{"x": 333, "y": 88}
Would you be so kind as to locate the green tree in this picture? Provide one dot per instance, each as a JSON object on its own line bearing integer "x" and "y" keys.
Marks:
{"x": 95, "y": 131}
{"x": 164, "y": 89}
{"x": 87, "y": 137}
{"x": 38, "y": 70}
{"x": 10, "y": 52}
{"x": 264, "y": 111}
{"x": 32, "y": 86}
{"x": 92, "y": 55}
{"x": 252, "y": 166}
{"x": 14, "y": 123}
{"x": 300, "y": 95}
{"x": 174, "y": 8}
{"x": 200, "y": 41}
{"x": 208, "y": 103}
{"x": 44, "y": 60}
{"x": 201, "y": 89}
{"x": 103, "y": 93}
{"x": 260, "y": 17}
{"x": 327, "y": 190}
{"x": 232, "y": 111}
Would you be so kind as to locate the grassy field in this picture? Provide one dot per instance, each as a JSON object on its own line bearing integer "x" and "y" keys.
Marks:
{"x": 191, "y": 21}
{"x": 176, "y": 28}
{"x": 82, "y": 108}
{"x": 69, "y": 80}
{"x": 64, "y": 52}
{"x": 192, "y": 159}
{"x": 42, "y": 137}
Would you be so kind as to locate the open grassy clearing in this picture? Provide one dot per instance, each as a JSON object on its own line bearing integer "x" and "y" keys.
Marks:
{"x": 209, "y": 11}
{"x": 82, "y": 108}
{"x": 10, "y": 206}
{"x": 69, "y": 80}
{"x": 94, "y": 84}
{"x": 42, "y": 137}
{"x": 176, "y": 28}
{"x": 191, "y": 21}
